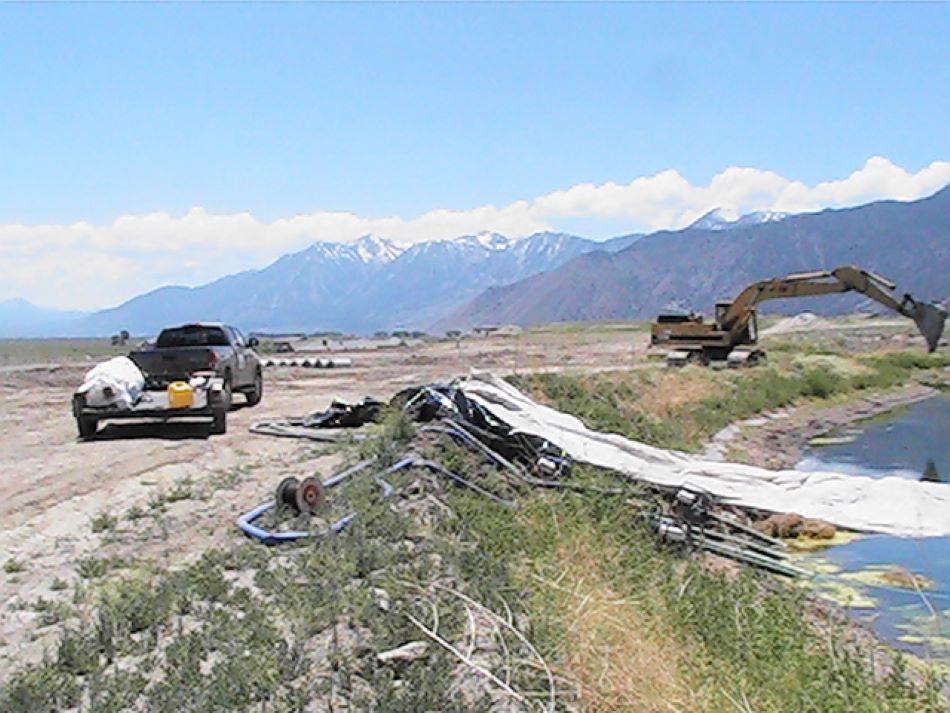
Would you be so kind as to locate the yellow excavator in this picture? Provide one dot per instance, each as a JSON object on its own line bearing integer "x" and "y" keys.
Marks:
{"x": 688, "y": 338}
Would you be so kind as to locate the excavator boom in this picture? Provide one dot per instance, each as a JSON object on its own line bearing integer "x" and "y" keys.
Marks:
{"x": 929, "y": 318}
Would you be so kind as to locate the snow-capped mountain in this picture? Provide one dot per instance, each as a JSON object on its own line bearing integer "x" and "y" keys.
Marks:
{"x": 363, "y": 286}
{"x": 373, "y": 249}
{"x": 369, "y": 249}
{"x": 729, "y": 219}
{"x": 485, "y": 239}
{"x": 690, "y": 269}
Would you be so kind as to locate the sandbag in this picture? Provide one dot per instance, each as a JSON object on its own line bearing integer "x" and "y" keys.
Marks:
{"x": 117, "y": 382}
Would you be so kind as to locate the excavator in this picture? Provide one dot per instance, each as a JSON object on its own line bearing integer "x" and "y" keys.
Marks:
{"x": 689, "y": 338}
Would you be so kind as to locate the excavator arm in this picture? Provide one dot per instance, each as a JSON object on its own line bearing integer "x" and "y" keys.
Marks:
{"x": 930, "y": 318}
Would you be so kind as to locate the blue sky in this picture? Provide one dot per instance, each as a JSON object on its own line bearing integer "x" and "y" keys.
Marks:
{"x": 385, "y": 111}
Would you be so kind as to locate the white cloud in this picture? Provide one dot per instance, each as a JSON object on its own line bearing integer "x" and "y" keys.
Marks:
{"x": 667, "y": 200}
{"x": 82, "y": 265}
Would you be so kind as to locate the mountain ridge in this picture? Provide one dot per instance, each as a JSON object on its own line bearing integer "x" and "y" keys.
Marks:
{"x": 374, "y": 284}
{"x": 368, "y": 285}
{"x": 694, "y": 267}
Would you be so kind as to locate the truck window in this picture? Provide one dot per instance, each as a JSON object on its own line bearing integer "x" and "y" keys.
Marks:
{"x": 192, "y": 336}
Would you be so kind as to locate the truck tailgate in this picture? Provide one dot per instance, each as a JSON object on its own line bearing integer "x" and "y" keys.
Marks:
{"x": 176, "y": 363}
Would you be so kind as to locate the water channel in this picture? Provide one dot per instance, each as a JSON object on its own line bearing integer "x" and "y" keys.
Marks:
{"x": 912, "y": 442}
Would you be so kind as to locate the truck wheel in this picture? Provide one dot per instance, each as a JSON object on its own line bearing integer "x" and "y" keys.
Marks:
{"x": 257, "y": 392}
{"x": 88, "y": 425}
{"x": 227, "y": 395}
{"x": 219, "y": 421}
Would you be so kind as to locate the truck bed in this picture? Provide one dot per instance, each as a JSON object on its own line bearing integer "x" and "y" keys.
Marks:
{"x": 151, "y": 404}
{"x": 166, "y": 365}
{"x": 208, "y": 402}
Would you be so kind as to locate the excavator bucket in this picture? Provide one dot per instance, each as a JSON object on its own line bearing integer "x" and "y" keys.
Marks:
{"x": 930, "y": 319}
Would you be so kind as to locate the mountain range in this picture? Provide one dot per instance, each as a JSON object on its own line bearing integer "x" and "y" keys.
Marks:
{"x": 19, "y": 318}
{"x": 374, "y": 284}
{"x": 908, "y": 242}
{"x": 369, "y": 285}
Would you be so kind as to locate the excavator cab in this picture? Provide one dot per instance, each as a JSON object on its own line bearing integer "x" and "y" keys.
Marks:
{"x": 747, "y": 334}
{"x": 722, "y": 309}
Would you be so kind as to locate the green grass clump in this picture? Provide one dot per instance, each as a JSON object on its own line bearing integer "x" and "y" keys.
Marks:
{"x": 115, "y": 691}
{"x": 40, "y": 689}
{"x": 888, "y": 370}
{"x": 606, "y": 404}
{"x": 183, "y": 490}
{"x": 395, "y": 429}
{"x": 131, "y": 606}
{"x": 104, "y": 521}
{"x": 78, "y": 651}
{"x": 98, "y": 567}
{"x": 611, "y": 401}
{"x": 14, "y": 566}
{"x": 134, "y": 513}
{"x": 50, "y": 612}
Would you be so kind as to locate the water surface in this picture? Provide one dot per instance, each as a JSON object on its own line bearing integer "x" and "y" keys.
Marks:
{"x": 911, "y": 442}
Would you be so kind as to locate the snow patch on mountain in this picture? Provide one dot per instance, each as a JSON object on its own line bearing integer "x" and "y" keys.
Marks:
{"x": 374, "y": 249}
{"x": 484, "y": 239}
{"x": 729, "y": 219}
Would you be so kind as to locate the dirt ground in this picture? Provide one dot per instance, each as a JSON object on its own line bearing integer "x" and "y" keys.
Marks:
{"x": 53, "y": 486}
{"x": 776, "y": 439}
{"x": 171, "y": 491}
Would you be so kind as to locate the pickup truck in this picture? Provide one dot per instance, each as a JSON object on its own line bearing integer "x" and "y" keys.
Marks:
{"x": 180, "y": 352}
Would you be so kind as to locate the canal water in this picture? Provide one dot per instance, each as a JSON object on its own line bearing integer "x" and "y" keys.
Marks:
{"x": 912, "y": 442}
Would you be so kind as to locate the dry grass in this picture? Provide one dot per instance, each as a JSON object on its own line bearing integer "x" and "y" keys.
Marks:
{"x": 21, "y": 352}
{"x": 619, "y": 656}
{"x": 668, "y": 391}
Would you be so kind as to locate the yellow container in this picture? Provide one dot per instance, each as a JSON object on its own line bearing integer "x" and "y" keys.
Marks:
{"x": 180, "y": 395}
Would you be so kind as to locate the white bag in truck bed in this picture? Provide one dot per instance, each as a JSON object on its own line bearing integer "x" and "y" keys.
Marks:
{"x": 117, "y": 382}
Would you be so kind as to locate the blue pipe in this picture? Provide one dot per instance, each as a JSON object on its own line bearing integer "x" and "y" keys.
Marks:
{"x": 270, "y": 537}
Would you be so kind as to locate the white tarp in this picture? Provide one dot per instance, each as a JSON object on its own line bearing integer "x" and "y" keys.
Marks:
{"x": 892, "y": 505}
{"x": 116, "y": 382}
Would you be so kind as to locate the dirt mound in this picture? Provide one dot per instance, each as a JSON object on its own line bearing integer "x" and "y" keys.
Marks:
{"x": 803, "y": 321}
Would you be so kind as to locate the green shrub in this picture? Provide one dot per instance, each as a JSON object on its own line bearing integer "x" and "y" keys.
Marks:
{"x": 822, "y": 383}
{"x": 104, "y": 521}
{"x": 13, "y": 566}
{"x": 116, "y": 691}
{"x": 97, "y": 567}
{"x": 40, "y": 689}
{"x": 78, "y": 651}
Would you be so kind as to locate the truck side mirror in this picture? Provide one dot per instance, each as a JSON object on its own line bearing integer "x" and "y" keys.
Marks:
{"x": 252, "y": 342}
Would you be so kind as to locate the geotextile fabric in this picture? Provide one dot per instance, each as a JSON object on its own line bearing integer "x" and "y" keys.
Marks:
{"x": 891, "y": 505}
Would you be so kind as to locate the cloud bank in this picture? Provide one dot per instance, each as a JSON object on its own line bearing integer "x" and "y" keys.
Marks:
{"x": 83, "y": 266}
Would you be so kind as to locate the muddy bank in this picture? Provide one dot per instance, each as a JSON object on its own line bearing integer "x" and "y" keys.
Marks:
{"x": 776, "y": 439}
